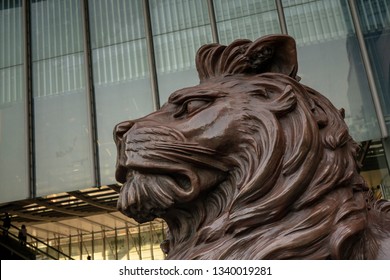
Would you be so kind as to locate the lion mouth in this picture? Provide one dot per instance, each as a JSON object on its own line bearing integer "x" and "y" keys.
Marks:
{"x": 146, "y": 196}
{"x": 181, "y": 180}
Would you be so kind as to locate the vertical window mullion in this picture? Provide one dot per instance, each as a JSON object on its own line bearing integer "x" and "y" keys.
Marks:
{"x": 90, "y": 91}
{"x": 27, "y": 65}
{"x": 151, "y": 56}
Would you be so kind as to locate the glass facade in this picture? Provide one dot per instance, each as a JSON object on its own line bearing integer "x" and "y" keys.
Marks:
{"x": 375, "y": 23}
{"x": 13, "y": 104}
{"x": 72, "y": 69}
{"x": 63, "y": 151}
{"x": 248, "y": 19}
{"x": 120, "y": 72}
{"x": 324, "y": 29}
{"x": 179, "y": 28}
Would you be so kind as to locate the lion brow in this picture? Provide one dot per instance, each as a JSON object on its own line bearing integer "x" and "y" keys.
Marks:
{"x": 187, "y": 93}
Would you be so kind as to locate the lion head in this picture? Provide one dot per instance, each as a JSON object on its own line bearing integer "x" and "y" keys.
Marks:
{"x": 249, "y": 164}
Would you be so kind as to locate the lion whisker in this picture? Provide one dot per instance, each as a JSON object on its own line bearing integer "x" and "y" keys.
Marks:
{"x": 187, "y": 147}
{"x": 198, "y": 159}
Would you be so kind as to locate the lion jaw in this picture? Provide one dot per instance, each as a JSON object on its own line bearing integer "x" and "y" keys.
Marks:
{"x": 160, "y": 168}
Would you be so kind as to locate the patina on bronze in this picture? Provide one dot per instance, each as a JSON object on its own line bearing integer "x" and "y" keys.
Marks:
{"x": 250, "y": 164}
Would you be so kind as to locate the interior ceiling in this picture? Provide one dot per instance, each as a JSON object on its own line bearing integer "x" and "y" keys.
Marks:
{"x": 71, "y": 213}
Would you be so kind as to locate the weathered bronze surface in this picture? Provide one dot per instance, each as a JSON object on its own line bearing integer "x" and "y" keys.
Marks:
{"x": 250, "y": 164}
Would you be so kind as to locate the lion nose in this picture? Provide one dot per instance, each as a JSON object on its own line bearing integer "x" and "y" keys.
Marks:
{"x": 120, "y": 129}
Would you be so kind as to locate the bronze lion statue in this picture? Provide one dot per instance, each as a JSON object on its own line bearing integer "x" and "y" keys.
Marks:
{"x": 250, "y": 164}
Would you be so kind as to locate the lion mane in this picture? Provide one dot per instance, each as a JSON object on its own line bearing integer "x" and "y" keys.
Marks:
{"x": 250, "y": 164}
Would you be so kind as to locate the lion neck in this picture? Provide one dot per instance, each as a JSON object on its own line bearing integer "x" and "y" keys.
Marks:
{"x": 198, "y": 237}
{"x": 199, "y": 222}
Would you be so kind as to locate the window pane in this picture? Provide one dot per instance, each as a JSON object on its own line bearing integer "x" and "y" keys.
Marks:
{"x": 13, "y": 129}
{"x": 120, "y": 70}
{"x": 245, "y": 19}
{"x": 179, "y": 29}
{"x": 375, "y": 20}
{"x": 62, "y": 135}
{"x": 330, "y": 60}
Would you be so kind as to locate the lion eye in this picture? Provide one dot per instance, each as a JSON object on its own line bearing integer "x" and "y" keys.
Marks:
{"x": 192, "y": 106}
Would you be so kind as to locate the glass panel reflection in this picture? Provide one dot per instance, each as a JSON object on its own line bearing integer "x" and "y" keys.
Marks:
{"x": 62, "y": 135}
{"x": 324, "y": 32}
{"x": 375, "y": 21}
{"x": 245, "y": 19}
{"x": 120, "y": 72}
{"x": 13, "y": 117}
{"x": 179, "y": 29}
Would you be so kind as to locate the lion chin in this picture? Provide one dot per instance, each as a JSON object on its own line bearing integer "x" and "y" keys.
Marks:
{"x": 138, "y": 202}
{"x": 250, "y": 164}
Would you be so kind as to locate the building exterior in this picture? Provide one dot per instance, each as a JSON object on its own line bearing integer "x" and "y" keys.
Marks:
{"x": 72, "y": 69}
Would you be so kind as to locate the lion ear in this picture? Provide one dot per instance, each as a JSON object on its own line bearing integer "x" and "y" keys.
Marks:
{"x": 273, "y": 53}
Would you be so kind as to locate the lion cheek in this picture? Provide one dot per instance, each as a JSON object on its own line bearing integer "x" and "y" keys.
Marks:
{"x": 206, "y": 179}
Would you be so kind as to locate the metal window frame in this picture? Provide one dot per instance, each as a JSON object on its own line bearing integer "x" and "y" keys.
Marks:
{"x": 213, "y": 21}
{"x": 281, "y": 16}
{"x": 151, "y": 55}
{"x": 28, "y": 92}
{"x": 90, "y": 91}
